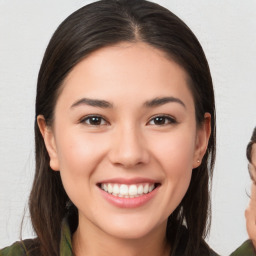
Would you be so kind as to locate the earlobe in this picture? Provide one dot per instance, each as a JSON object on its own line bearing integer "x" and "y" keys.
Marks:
{"x": 202, "y": 139}
{"x": 49, "y": 141}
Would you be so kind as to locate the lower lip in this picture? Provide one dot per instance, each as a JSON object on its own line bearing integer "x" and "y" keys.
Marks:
{"x": 135, "y": 202}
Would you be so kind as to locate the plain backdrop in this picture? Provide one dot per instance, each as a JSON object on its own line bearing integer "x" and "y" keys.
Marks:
{"x": 227, "y": 32}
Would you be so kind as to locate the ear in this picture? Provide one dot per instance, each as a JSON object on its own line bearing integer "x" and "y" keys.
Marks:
{"x": 202, "y": 138}
{"x": 49, "y": 141}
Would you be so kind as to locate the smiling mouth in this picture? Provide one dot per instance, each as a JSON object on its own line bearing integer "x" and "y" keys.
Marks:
{"x": 128, "y": 191}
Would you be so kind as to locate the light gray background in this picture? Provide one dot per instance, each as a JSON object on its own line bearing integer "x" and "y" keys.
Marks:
{"x": 227, "y": 32}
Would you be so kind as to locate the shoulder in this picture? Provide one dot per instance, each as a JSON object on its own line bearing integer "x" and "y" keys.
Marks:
{"x": 204, "y": 249}
{"x": 28, "y": 247}
{"x": 212, "y": 253}
{"x": 245, "y": 249}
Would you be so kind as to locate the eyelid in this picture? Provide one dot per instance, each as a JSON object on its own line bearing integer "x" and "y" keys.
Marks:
{"x": 87, "y": 117}
{"x": 170, "y": 118}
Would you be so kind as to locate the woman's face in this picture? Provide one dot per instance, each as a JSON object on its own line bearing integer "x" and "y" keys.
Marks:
{"x": 254, "y": 155}
{"x": 252, "y": 165}
{"x": 125, "y": 139}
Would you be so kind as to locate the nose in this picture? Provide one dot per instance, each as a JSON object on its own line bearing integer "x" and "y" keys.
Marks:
{"x": 128, "y": 148}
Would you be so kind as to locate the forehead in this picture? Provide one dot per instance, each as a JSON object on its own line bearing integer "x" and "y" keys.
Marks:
{"x": 141, "y": 55}
{"x": 126, "y": 69}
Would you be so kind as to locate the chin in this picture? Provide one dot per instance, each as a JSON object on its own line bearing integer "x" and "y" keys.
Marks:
{"x": 131, "y": 230}
{"x": 130, "y": 233}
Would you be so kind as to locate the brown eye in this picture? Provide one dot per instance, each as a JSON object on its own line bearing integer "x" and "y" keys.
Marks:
{"x": 94, "y": 120}
{"x": 162, "y": 120}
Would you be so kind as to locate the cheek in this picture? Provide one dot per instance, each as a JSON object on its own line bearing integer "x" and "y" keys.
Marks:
{"x": 176, "y": 153}
{"x": 79, "y": 156}
{"x": 178, "y": 166}
{"x": 78, "y": 152}
{"x": 73, "y": 155}
{"x": 176, "y": 156}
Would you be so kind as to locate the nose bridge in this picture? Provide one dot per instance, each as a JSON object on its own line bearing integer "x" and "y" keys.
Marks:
{"x": 129, "y": 147}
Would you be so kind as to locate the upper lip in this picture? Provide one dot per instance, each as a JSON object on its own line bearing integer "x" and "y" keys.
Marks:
{"x": 136, "y": 180}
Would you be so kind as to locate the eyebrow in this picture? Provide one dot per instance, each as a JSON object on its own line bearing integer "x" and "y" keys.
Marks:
{"x": 105, "y": 104}
{"x": 161, "y": 101}
{"x": 93, "y": 103}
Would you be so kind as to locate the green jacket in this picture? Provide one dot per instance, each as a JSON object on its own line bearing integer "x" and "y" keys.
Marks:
{"x": 246, "y": 249}
{"x": 29, "y": 247}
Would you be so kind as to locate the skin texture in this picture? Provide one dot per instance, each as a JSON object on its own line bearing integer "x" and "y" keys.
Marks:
{"x": 250, "y": 213}
{"x": 254, "y": 161}
{"x": 127, "y": 142}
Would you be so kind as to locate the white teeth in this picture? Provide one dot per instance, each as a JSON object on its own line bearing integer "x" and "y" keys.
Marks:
{"x": 116, "y": 189}
{"x": 132, "y": 190}
{"x": 140, "y": 190}
{"x": 104, "y": 187}
{"x": 123, "y": 190}
{"x": 127, "y": 191}
{"x": 151, "y": 188}
{"x": 145, "y": 189}
{"x": 110, "y": 189}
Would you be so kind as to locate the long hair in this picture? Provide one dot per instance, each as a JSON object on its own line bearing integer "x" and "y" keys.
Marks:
{"x": 92, "y": 27}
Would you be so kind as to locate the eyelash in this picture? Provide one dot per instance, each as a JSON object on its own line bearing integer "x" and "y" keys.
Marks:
{"x": 166, "y": 118}
{"x": 88, "y": 120}
{"x": 96, "y": 120}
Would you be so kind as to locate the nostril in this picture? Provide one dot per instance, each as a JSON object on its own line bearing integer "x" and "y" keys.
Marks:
{"x": 128, "y": 149}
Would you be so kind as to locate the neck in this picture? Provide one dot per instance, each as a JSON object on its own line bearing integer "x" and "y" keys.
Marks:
{"x": 92, "y": 241}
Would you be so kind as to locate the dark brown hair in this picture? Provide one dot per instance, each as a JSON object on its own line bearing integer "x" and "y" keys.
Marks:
{"x": 101, "y": 24}
{"x": 249, "y": 146}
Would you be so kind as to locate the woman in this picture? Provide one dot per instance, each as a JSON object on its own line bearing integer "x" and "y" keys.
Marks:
{"x": 125, "y": 136}
{"x": 248, "y": 247}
